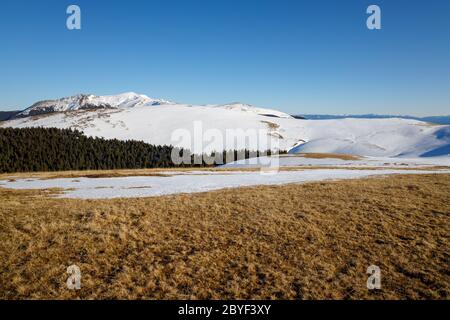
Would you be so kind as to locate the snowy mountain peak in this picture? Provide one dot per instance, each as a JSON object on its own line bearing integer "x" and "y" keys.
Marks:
{"x": 90, "y": 101}
{"x": 127, "y": 100}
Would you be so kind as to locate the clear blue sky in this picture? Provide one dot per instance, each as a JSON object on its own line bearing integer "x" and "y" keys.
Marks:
{"x": 296, "y": 56}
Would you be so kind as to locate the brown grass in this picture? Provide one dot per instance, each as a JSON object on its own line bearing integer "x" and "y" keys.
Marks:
{"x": 271, "y": 125}
{"x": 86, "y": 173}
{"x": 310, "y": 241}
{"x": 167, "y": 172}
{"x": 108, "y": 173}
{"x": 328, "y": 156}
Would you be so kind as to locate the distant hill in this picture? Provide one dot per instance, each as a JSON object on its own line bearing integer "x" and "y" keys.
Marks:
{"x": 208, "y": 128}
{"x": 6, "y": 115}
{"x": 432, "y": 119}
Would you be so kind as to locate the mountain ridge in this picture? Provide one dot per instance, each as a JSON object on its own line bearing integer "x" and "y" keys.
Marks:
{"x": 90, "y": 101}
{"x": 441, "y": 119}
{"x": 123, "y": 101}
{"x": 131, "y": 116}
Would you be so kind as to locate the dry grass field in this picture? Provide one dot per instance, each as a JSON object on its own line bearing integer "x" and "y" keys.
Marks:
{"x": 169, "y": 171}
{"x": 309, "y": 241}
{"x": 324, "y": 156}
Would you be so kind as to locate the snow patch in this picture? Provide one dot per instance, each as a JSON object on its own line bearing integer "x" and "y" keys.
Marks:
{"x": 99, "y": 188}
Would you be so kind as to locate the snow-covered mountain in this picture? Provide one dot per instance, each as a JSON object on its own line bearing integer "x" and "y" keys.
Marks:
{"x": 89, "y": 101}
{"x": 249, "y": 108}
{"x": 157, "y": 121}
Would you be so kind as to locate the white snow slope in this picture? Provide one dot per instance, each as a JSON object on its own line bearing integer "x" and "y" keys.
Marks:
{"x": 297, "y": 160}
{"x": 138, "y": 117}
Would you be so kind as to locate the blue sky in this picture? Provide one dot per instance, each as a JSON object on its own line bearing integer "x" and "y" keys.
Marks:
{"x": 296, "y": 56}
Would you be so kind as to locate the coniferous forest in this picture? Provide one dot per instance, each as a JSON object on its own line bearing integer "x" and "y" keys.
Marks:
{"x": 51, "y": 149}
